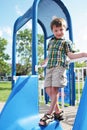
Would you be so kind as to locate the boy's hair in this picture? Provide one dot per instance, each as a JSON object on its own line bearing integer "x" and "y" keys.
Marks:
{"x": 58, "y": 22}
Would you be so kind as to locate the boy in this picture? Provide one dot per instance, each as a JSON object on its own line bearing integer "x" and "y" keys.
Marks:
{"x": 58, "y": 51}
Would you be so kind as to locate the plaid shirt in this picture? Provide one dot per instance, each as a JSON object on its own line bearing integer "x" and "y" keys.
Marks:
{"x": 57, "y": 52}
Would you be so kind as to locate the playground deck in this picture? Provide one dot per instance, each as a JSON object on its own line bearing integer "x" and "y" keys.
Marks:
{"x": 69, "y": 115}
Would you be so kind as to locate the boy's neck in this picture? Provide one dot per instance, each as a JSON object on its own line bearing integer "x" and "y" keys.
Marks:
{"x": 59, "y": 38}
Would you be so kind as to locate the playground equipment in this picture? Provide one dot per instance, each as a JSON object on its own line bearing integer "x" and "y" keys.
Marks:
{"x": 80, "y": 122}
{"x": 21, "y": 109}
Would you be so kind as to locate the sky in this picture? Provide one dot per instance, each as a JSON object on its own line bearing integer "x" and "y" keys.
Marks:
{"x": 12, "y": 9}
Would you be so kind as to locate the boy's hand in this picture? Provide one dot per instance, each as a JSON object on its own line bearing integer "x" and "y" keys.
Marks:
{"x": 44, "y": 64}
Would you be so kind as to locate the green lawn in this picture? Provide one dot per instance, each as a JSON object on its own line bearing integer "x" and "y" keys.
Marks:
{"x": 5, "y": 89}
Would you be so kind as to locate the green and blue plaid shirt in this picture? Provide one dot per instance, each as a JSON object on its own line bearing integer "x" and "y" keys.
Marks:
{"x": 57, "y": 52}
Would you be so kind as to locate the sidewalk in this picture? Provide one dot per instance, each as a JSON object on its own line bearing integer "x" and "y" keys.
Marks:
{"x": 69, "y": 115}
{"x": 1, "y": 105}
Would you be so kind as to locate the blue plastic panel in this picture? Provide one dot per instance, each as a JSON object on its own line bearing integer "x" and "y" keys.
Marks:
{"x": 81, "y": 117}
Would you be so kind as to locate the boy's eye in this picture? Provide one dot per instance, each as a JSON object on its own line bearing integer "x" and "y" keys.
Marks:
{"x": 55, "y": 30}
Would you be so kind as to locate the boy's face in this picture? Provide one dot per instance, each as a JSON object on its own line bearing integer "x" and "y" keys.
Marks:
{"x": 58, "y": 32}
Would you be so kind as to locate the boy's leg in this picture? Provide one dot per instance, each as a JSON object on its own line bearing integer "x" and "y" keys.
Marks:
{"x": 54, "y": 99}
{"x": 49, "y": 92}
{"x": 53, "y": 94}
{"x": 47, "y": 116}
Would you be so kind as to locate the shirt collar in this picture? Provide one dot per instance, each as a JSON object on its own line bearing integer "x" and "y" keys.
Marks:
{"x": 59, "y": 38}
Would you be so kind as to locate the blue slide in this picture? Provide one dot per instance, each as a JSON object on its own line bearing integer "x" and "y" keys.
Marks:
{"x": 21, "y": 111}
{"x": 81, "y": 117}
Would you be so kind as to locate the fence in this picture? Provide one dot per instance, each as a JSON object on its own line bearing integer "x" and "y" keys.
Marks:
{"x": 80, "y": 74}
{"x": 80, "y": 79}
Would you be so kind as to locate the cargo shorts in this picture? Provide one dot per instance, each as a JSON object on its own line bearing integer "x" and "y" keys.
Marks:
{"x": 56, "y": 77}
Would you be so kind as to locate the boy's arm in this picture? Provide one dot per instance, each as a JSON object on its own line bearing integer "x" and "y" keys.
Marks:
{"x": 44, "y": 62}
{"x": 76, "y": 55}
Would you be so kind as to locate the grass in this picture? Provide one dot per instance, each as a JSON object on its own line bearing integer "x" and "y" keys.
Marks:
{"x": 81, "y": 84}
{"x": 5, "y": 89}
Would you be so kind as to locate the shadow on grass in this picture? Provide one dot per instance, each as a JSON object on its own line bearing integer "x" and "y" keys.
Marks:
{"x": 2, "y": 88}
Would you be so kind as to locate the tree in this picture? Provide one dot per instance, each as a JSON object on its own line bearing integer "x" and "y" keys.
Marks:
{"x": 80, "y": 64}
{"x": 24, "y": 51}
{"x": 4, "y": 66}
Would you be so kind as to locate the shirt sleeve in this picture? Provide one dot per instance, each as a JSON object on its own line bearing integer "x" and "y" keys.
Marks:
{"x": 69, "y": 47}
{"x": 49, "y": 43}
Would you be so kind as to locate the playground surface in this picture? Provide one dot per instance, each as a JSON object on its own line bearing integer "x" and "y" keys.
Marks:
{"x": 69, "y": 115}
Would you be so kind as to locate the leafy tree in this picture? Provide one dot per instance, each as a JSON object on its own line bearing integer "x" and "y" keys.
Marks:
{"x": 24, "y": 51}
{"x": 80, "y": 64}
{"x": 4, "y": 66}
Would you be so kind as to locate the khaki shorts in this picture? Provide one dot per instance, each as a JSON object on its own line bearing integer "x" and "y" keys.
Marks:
{"x": 56, "y": 77}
